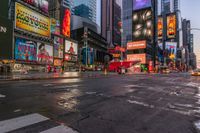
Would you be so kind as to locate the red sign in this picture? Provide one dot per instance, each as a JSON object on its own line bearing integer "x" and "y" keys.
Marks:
{"x": 136, "y": 45}
{"x": 160, "y": 27}
{"x": 137, "y": 57}
{"x": 118, "y": 48}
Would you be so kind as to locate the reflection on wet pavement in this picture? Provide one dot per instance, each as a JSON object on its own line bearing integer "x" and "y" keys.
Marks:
{"x": 68, "y": 100}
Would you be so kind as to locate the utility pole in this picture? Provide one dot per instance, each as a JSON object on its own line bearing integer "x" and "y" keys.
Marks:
{"x": 86, "y": 44}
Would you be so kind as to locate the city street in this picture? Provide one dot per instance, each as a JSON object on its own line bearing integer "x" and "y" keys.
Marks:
{"x": 143, "y": 103}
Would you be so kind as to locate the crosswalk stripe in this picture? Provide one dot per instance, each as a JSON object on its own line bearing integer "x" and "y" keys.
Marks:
{"x": 59, "y": 129}
{"x": 20, "y": 122}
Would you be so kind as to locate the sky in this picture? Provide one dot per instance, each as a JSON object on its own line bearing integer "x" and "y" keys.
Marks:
{"x": 190, "y": 9}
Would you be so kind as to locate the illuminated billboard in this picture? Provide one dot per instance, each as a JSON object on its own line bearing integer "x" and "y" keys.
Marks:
{"x": 137, "y": 57}
{"x": 58, "y": 47}
{"x": 142, "y": 25}
{"x": 136, "y": 45}
{"x": 141, "y": 4}
{"x": 25, "y": 50}
{"x": 171, "y": 49}
{"x": 44, "y": 53}
{"x": 55, "y": 26}
{"x": 160, "y": 27}
{"x": 32, "y": 21}
{"x": 171, "y": 26}
{"x": 66, "y": 21}
{"x": 42, "y": 5}
{"x": 71, "y": 47}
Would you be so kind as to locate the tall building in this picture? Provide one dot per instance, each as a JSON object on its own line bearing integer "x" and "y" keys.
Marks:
{"x": 111, "y": 21}
{"x": 169, "y": 6}
{"x": 127, "y": 9}
{"x": 86, "y": 9}
{"x": 54, "y": 7}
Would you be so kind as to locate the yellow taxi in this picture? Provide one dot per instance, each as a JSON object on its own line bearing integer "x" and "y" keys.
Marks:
{"x": 195, "y": 73}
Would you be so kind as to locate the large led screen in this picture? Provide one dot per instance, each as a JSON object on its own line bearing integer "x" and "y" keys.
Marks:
{"x": 171, "y": 26}
{"x": 137, "y": 57}
{"x": 171, "y": 49}
{"x": 44, "y": 53}
{"x": 25, "y": 50}
{"x": 42, "y": 5}
{"x": 58, "y": 47}
{"x": 142, "y": 25}
{"x": 71, "y": 47}
{"x": 66, "y": 21}
{"x": 32, "y": 21}
{"x": 141, "y": 4}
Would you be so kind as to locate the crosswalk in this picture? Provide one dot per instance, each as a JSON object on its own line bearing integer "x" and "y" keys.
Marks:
{"x": 26, "y": 123}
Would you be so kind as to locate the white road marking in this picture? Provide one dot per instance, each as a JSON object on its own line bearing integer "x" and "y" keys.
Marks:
{"x": 2, "y": 96}
{"x": 60, "y": 129}
{"x": 19, "y": 122}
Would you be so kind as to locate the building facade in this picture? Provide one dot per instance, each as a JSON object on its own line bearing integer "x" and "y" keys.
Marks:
{"x": 127, "y": 21}
{"x": 86, "y": 9}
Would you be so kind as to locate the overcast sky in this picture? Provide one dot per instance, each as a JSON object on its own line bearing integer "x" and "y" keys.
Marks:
{"x": 190, "y": 9}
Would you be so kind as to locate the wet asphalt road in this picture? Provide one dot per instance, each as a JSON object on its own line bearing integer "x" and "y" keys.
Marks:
{"x": 107, "y": 104}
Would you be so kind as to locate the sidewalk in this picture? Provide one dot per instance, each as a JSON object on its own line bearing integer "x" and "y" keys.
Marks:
{"x": 43, "y": 75}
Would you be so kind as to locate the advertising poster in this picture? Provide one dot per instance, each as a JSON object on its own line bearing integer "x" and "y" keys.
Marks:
{"x": 171, "y": 26}
{"x": 69, "y": 57}
{"x": 90, "y": 56}
{"x": 57, "y": 62}
{"x": 137, "y": 57}
{"x": 32, "y": 21}
{"x": 66, "y": 21}
{"x": 160, "y": 27}
{"x": 58, "y": 47}
{"x": 171, "y": 50}
{"x": 142, "y": 25}
{"x": 25, "y": 50}
{"x": 71, "y": 47}
{"x": 44, "y": 53}
{"x": 55, "y": 26}
{"x": 42, "y": 5}
{"x": 141, "y": 4}
{"x": 136, "y": 45}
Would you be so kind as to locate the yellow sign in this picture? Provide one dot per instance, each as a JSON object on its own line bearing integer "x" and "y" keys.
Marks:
{"x": 32, "y": 21}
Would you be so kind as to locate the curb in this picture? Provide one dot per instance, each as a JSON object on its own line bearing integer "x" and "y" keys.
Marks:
{"x": 47, "y": 78}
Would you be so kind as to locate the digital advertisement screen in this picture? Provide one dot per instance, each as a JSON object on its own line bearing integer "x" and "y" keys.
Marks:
{"x": 90, "y": 56}
{"x": 142, "y": 25}
{"x": 66, "y": 21}
{"x": 42, "y": 5}
{"x": 136, "y": 45}
{"x": 171, "y": 49}
{"x": 55, "y": 26}
{"x": 25, "y": 50}
{"x": 137, "y": 57}
{"x": 160, "y": 27}
{"x": 141, "y": 4}
{"x": 71, "y": 47}
{"x": 58, "y": 47}
{"x": 32, "y": 21}
{"x": 44, "y": 53}
{"x": 171, "y": 26}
